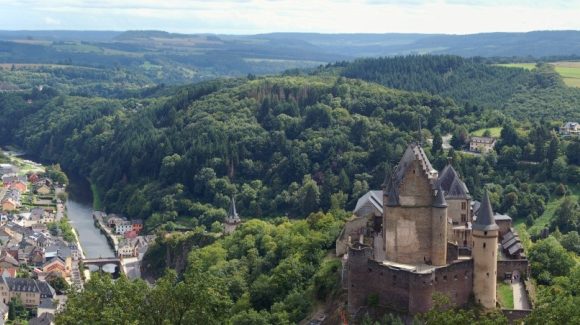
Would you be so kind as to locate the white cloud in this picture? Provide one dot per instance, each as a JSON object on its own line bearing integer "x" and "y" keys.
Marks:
{"x": 49, "y": 21}
{"x": 257, "y": 16}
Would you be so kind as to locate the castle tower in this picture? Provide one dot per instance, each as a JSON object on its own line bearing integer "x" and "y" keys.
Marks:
{"x": 408, "y": 206}
{"x": 485, "y": 233}
{"x": 233, "y": 219}
{"x": 439, "y": 229}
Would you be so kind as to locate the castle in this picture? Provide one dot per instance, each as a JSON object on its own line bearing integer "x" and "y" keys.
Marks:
{"x": 420, "y": 235}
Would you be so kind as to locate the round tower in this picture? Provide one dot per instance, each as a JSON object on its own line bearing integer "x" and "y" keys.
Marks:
{"x": 485, "y": 233}
{"x": 439, "y": 229}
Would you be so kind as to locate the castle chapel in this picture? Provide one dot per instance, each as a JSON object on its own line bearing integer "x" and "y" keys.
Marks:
{"x": 419, "y": 236}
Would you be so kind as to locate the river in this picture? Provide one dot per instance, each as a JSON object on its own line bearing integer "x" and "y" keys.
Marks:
{"x": 80, "y": 214}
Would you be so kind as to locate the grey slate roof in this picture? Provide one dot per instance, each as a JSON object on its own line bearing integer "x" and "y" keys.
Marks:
{"x": 485, "y": 220}
{"x": 21, "y": 284}
{"x": 375, "y": 198}
{"x": 452, "y": 184}
{"x": 44, "y": 319}
{"x": 46, "y": 290}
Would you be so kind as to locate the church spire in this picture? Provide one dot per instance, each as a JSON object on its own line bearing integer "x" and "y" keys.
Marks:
{"x": 233, "y": 216}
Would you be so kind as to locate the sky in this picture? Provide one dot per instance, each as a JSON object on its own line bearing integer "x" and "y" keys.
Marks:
{"x": 262, "y": 16}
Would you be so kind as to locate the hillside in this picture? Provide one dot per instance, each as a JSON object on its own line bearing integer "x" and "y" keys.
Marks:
{"x": 517, "y": 92}
{"x": 183, "y": 58}
{"x": 285, "y": 145}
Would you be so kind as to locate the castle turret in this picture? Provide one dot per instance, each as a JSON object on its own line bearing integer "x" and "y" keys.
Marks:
{"x": 439, "y": 229}
{"x": 485, "y": 233}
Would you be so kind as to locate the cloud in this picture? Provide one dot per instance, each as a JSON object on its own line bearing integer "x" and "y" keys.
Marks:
{"x": 49, "y": 21}
{"x": 259, "y": 16}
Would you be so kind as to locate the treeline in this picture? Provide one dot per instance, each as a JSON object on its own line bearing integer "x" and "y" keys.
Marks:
{"x": 520, "y": 93}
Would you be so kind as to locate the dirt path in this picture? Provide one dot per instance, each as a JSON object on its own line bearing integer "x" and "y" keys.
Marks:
{"x": 520, "y": 296}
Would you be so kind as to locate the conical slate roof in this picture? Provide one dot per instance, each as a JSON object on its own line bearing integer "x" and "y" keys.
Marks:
{"x": 440, "y": 201}
{"x": 485, "y": 220}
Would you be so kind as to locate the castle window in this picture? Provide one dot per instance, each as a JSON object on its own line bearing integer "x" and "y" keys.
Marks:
{"x": 463, "y": 205}
{"x": 413, "y": 171}
{"x": 370, "y": 270}
{"x": 463, "y": 217}
{"x": 445, "y": 278}
{"x": 483, "y": 245}
{"x": 455, "y": 277}
{"x": 485, "y": 233}
{"x": 487, "y": 274}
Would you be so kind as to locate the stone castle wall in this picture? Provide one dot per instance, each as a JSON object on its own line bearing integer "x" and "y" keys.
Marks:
{"x": 522, "y": 266}
{"x": 371, "y": 282}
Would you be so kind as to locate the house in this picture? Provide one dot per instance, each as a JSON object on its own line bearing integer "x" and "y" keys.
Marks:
{"x": 130, "y": 247}
{"x": 570, "y": 129}
{"x": 481, "y": 144}
{"x": 56, "y": 265}
{"x": 11, "y": 178}
{"x": 63, "y": 251}
{"x": 33, "y": 178}
{"x": 130, "y": 234}
{"x": 123, "y": 227}
{"x": 20, "y": 186}
{"x": 47, "y": 306}
{"x": 43, "y": 189}
{"x": 137, "y": 225}
{"x": 8, "y": 264}
{"x": 113, "y": 220}
{"x": 25, "y": 289}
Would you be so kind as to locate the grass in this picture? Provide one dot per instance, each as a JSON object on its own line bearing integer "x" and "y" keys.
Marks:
{"x": 548, "y": 215}
{"x": 494, "y": 132}
{"x": 505, "y": 295}
{"x": 97, "y": 203}
{"x": 569, "y": 70}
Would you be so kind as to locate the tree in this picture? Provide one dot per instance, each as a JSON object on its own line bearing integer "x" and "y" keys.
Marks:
{"x": 59, "y": 284}
{"x": 549, "y": 259}
{"x": 571, "y": 242}
{"x": 567, "y": 215}
{"x": 573, "y": 152}
{"x": 437, "y": 142}
{"x": 309, "y": 195}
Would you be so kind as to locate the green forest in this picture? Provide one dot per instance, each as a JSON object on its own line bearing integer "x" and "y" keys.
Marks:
{"x": 297, "y": 151}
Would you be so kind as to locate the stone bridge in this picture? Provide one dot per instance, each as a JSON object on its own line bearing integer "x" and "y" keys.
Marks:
{"x": 102, "y": 261}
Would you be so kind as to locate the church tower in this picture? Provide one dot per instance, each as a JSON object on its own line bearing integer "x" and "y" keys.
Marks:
{"x": 233, "y": 219}
{"x": 485, "y": 233}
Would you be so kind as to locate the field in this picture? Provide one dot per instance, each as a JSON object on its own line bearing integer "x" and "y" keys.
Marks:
{"x": 527, "y": 66}
{"x": 494, "y": 132}
{"x": 569, "y": 70}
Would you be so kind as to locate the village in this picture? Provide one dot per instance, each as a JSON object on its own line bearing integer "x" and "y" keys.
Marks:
{"x": 41, "y": 257}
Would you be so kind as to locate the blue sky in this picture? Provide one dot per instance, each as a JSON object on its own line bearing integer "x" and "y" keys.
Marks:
{"x": 259, "y": 16}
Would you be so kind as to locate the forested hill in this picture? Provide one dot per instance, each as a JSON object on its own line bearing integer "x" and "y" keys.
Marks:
{"x": 473, "y": 81}
{"x": 284, "y": 145}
